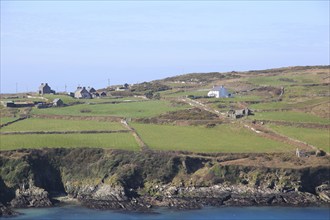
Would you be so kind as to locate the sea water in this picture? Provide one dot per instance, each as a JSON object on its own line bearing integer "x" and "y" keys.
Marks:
{"x": 76, "y": 212}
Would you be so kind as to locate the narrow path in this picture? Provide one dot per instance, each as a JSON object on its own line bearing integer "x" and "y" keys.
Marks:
{"x": 202, "y": 106}
{"x": 270, "y": 134}
{"x": 142, "y": 145}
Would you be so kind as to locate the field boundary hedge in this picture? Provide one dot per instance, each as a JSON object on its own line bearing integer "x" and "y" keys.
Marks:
{"x": 65, "y": 132}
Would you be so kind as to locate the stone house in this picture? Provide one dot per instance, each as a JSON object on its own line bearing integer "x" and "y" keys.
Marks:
{"x": 91, "y": 90}
{"x": 82, "y": 93}
{"x": 219, "y": 92}
{"x": 239, "y": 113}
{"x": 44, "y": 88}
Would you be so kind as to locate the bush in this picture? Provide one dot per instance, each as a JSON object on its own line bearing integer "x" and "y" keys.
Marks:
{"x": 85, "y": 110}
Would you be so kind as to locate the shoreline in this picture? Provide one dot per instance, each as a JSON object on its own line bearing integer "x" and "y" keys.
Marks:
{"x": 139, "y": 181}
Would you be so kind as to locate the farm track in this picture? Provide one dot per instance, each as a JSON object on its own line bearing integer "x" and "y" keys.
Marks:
{"x": 270, "y": 134}
{"x": 141, "y": 143}
{"x": 262, "y": 131}
{"x": 203, "y": 107}
{"x": 64, "y": 132}
{"x": 295, "y": 124}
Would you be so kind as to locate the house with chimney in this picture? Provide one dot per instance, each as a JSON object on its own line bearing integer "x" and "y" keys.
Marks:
{"x": 44, "y": 88}
{"x": 219, "y": 92}
{"x": 82, "y": 93}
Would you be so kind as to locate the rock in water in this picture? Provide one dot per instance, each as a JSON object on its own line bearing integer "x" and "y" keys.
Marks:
{"x": 31, "y": 197}
{"x": 6, "y": 212}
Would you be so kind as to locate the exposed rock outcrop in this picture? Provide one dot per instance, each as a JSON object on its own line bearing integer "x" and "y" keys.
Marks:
{"x": 6, "y": 212}
{"x": 113, "y": 179}
{"x": 31, "y": 197}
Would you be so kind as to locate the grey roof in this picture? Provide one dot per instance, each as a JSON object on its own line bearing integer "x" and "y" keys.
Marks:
{"x": 56, "y": 100}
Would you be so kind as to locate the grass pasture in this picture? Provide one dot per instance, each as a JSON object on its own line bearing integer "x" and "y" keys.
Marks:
{"x": 290, "y": 116}
{"x": 129, "y": 109}
{"x": 4, "y": 120}
{"x": 222, "y": 138}
{"x": 114, "y": 141}
{"x": 292, "y": 78}
{"x": 38, "y": 124}
{"x": 318, "y": 138}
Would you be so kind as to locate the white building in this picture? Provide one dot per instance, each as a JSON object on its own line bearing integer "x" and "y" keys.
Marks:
{"x": 219, "y": 92}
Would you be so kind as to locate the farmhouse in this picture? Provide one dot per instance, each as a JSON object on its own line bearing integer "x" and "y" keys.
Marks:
{"x": 219, "y": 92}
{"x": 91, "y": 90}
{"x": 82, "y": 93}
{"x": 239, "y": 113}
{"x": 44, "y": 88}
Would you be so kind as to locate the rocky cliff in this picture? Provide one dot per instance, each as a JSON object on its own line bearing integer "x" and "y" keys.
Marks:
{"x": 114, "y": 179}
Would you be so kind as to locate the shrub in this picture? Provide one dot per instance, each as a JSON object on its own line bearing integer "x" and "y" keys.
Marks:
{"x": 85, "y": 110}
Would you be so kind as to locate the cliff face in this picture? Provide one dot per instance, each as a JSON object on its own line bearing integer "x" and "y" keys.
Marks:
{"x": 137, "y": 180}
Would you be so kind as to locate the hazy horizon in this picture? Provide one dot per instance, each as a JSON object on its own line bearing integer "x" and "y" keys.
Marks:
{"x": 86, "y": 43}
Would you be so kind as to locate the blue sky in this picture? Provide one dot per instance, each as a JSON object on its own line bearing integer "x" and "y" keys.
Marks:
{"x": 88, "y": 42}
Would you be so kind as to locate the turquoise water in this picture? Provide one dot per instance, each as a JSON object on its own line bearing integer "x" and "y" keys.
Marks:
{"x": 254, "y": 213}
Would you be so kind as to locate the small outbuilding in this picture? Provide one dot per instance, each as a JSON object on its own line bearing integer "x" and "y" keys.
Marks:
{"x": 95, "y": 95}
{"x": 58, "y": 102}
{"x": 103, "y": 94}
{"x": 239, "y": 113}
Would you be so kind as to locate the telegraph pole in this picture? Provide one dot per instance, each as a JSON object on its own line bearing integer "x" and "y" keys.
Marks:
{"x": 16, "y": 87}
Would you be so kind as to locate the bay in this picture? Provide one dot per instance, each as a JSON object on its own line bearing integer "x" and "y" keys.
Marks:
{"x": 76, "y": 212}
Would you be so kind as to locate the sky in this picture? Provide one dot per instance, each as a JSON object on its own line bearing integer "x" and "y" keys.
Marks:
{"x": 71, "y": 43}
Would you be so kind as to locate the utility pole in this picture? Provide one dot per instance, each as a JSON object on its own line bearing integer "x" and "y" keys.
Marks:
{"x": 65, "y": 88}
{"x": 108, "y": 82}
{"x": 16, "y": 87}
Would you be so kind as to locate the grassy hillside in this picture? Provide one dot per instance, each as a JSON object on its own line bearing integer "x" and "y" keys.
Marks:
{"x": 297, "y": 97}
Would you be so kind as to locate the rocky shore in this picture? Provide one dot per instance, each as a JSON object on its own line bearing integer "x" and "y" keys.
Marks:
{"x": 138, "y": 181}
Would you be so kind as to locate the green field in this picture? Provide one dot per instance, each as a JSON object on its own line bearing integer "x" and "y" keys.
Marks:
{"x": 38, "y": 124}
{"x": 129, "y": 110}
{"x": 290, "y": 116}
{"x": 114, "y": 141}
{"x": 317, "y": 137}
{"x": 222, "y": 138}
{"x": 4, "y": 120}
{"x": 289, "y": 104}
{"x": 301, "y": 78}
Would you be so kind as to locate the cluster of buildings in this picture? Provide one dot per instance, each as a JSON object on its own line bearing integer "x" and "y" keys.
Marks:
{"x": 80, "y": 93}
{"x": 222, "y": 92}
{"x": 89, "y": 93}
